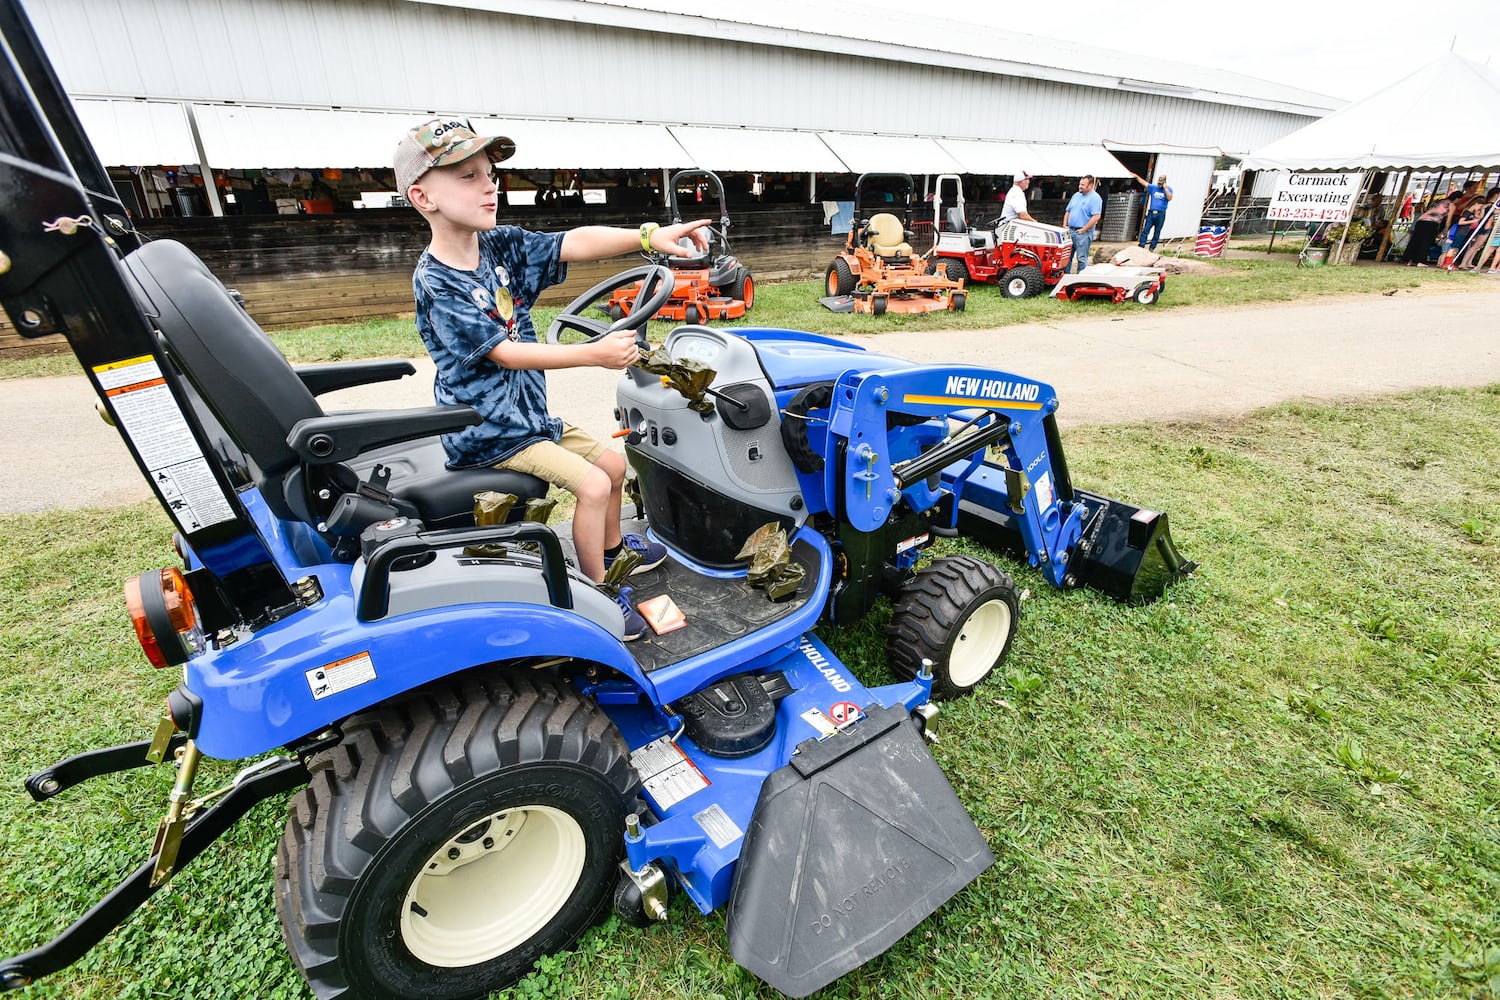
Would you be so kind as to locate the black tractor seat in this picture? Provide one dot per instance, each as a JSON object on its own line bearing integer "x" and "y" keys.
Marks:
{"x": 270, "y": 430}
{"x": 696, "y": 259}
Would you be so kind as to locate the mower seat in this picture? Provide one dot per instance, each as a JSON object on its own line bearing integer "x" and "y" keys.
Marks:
{"x": 269, "y": 428}
{"x": 887, "y": 236}
{"x": 695, "y": 260}
{"x": 956, "y": 221}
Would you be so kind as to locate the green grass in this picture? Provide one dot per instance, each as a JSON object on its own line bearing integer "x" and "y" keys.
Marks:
{"x": 1283, "y": 780}
{"x": 794, "y": 305}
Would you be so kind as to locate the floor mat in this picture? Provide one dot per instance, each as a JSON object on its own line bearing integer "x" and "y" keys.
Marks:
{"x": 717, "y": 610}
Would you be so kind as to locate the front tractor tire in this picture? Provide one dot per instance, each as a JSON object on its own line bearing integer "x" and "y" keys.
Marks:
{"x": 961, "y": 614}
{"x": 453, "y": 838}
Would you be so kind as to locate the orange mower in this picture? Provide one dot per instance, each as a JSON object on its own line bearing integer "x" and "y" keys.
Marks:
{"x": 877, "y": 271}
{"x": 711, "y": 284}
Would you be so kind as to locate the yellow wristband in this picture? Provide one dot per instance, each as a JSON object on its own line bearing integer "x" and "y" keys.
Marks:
{"x": 647, "y": 228}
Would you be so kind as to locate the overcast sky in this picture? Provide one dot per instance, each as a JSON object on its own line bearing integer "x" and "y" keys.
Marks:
{"x": 1336, "y": 47}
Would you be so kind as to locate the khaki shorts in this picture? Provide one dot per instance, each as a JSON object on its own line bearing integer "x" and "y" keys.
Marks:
{"x": 566, "y": 463}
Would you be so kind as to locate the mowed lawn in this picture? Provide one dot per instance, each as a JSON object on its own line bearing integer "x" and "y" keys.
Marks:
{"x": 1280, "y": 781}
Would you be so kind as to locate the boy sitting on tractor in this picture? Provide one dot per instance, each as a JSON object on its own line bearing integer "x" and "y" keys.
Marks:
{"x": 474, "y": 285}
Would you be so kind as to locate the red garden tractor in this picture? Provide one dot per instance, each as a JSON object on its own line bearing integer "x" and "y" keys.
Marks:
{"x": 877, "y": 272}
{"x": 1021, "y": 257}
{"x": 711, "y": 284}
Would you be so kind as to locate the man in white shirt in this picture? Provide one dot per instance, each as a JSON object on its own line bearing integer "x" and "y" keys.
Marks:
{"x": 1015, "y": 200}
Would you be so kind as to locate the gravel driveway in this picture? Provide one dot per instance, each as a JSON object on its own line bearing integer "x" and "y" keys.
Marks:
{"x": 1108, "y": 365}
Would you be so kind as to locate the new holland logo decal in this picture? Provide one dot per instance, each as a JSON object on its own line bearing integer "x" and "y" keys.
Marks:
{"x": 968, "y": 390}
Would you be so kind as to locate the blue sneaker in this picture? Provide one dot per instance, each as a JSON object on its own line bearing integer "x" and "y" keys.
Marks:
{"x": 635, "y": 625}
{"x": 652, "y": 554}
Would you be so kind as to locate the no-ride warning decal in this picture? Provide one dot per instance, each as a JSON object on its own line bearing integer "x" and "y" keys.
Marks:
{"x": 844, "y": 712}
{"x": 149, "y": 416}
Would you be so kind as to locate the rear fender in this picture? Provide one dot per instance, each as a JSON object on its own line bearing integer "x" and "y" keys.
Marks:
{"x": 321, "y": 665}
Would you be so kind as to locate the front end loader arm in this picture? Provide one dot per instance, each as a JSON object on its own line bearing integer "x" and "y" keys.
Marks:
{"x": 1019, "y": 498}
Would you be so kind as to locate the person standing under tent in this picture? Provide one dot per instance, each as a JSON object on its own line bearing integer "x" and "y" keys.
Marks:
{"x": 1481, "y": 235}
{"x": 1488, "y": 259}
{"x": 1430, "y": 225}
{"x": 1157, "y": 196}
{"x": 1015, "y": 200}
{"x": 1084, "y": 211}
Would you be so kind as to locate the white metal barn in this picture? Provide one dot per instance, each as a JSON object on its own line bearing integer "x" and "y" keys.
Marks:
{"x": 783, "y": 87}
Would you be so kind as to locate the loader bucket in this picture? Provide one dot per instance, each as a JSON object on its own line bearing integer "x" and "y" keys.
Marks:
{"x": 1125, "y": 552}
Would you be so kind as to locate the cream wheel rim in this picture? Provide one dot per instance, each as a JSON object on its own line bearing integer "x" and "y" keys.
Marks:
{"x": 979, "y": 643}
{"x": 492, "y": 886}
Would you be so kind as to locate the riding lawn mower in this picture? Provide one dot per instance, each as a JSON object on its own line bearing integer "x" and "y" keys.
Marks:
{"x": 480, "y": 765}
{"x": 1022, "y": 257}
{"x": 877, "y": 271}
{"x": 709, "y": 284}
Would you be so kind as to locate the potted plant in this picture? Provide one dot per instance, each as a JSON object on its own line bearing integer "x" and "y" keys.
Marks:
{"x": 1352, "y": 234}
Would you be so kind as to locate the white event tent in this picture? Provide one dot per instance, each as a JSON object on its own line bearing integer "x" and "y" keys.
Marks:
{"x": 1443, "y": 116}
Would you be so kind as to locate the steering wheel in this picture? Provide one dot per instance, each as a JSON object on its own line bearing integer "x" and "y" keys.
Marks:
{"x": 572, "y": 327}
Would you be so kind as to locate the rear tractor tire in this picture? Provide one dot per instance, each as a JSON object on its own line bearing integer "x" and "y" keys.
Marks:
{"x": 960, "y": 613}
{"x": 743, "y": 288}
{"x": 840, "y": 280}
{"x": 1022, "y": 282}
{"x": 453, "y": 838}
{"x": 956, "y": 270}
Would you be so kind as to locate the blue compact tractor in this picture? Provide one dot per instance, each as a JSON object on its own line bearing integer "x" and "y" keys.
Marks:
{"x": 480, "y": 765}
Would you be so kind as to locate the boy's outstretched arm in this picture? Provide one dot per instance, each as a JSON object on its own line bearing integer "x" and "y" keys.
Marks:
{"x": 599, "y": 242}
{"x": 617, "y": 350}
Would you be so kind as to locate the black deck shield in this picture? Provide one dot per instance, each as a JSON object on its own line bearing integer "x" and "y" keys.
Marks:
{"x": 852, "y": 844}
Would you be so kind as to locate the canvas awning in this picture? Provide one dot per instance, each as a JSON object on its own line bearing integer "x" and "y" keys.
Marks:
{"x": 900, "y": 154}
{"x": 986, "y": 156}
{"x": 251, "y": 137}
{"x": 754, "y": 149}
{"x": 137, "y": 133}
{"x": 1076, "y": 161}
{"x": 270, "y": 137}
{"x": 576, "y": 145}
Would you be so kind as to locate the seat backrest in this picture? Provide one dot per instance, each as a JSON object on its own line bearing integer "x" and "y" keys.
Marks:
{"x": 956, "y": 221}
{"x": 234, "y": 368}
{"x": 887, "y": 235}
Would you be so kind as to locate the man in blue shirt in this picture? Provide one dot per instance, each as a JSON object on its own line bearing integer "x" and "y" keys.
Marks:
{"x": 1084, "y": 210}
{"x": 1157, "y": 196}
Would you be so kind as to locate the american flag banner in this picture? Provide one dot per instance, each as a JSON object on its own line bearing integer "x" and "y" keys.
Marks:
{"x": 1211, "y": 241}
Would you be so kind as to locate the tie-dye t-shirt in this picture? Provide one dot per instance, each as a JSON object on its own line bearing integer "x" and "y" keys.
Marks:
{"x": 463, "y": 315}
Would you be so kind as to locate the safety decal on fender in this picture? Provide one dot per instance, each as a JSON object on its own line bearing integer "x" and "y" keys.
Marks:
{"x": 149, "y": 416}
{"x": 340, "y": 675}
{"x": 720, "y": 828}
{"x": 666, "y": 772}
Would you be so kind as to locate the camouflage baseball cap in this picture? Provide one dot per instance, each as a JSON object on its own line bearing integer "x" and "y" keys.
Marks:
{"x": 440, "y": 141}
